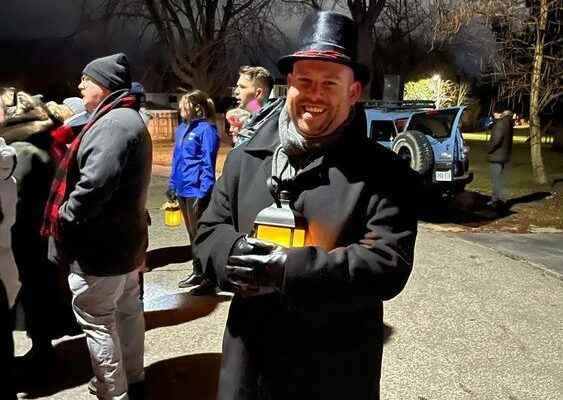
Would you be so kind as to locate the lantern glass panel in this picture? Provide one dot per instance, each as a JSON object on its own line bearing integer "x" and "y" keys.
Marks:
{"x": 172, "y": 217}
{"x": 298, "y": 237}
{"x": 172, "y": 214}
{"x": 276, "y": 234}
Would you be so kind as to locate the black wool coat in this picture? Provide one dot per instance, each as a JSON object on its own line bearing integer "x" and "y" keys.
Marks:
{"x": 500, "y": 142}
{"x": 322, "y": 336}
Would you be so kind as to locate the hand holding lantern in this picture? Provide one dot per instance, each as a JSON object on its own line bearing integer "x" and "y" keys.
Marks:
{"x": 260, "y": 266}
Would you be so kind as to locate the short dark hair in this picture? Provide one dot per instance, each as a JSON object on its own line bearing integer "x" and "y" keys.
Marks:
{"x": 260, "y": 77}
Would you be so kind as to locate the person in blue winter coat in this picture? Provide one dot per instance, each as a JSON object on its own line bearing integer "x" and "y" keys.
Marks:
{"x": 193, "y": 172}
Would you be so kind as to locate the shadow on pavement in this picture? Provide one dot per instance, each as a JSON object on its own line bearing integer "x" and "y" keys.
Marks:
{"x": 163, "y": 256}
{"x": 178, "y": 308}
{"x": 471, "y": 209}
{"x": 467, "y": 208}
{"x": 193, "y": 376}
{"x": 529, "y": 198}
{"x": 69, "y": 368}
{"x": 387, "y": 332}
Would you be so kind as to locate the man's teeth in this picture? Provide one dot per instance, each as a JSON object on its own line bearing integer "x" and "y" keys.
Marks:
{"x": 314, "y": 109}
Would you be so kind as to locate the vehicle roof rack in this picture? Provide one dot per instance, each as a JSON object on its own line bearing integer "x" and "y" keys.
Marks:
{"x": 400, "y": 104}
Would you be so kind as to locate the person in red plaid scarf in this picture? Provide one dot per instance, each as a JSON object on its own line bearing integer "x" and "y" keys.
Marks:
{"x": 96, "y": 223}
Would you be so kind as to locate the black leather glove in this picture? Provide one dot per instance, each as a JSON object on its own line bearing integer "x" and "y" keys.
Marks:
{"x": 171, "y": 194}
{"x": 259, "y": 265}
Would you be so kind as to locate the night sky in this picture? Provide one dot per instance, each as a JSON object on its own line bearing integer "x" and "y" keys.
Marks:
{"x": 40, "y": 51}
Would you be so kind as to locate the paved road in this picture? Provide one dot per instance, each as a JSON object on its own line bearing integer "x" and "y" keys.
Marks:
{"x": 472, "y": 323}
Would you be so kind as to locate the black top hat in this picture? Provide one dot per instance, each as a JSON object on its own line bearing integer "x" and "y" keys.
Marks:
{"x": 327, "y": 36}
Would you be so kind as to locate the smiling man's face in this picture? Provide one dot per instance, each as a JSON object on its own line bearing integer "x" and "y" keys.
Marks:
{"x": 320, "y": 96}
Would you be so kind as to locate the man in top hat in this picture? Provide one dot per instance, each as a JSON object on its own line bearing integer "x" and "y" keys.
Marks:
{"x": 96, "y": 223}
{"x": 307, "y": 322}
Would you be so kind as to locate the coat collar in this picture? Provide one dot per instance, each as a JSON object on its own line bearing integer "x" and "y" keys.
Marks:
{"x": 194, "y": 122}
{"x": 266, "y": 139}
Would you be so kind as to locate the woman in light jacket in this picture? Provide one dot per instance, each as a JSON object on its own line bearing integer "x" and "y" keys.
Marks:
{"x": 193, "y": 172}
{"x": 9, "y": 280}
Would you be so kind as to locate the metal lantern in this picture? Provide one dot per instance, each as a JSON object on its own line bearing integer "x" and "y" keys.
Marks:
{"x": 172, "y": 214}
{"x": 280, "y": 224}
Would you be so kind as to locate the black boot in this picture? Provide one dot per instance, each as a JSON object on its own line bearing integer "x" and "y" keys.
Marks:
{"x": 205, "y": 288}
{"x": 191, "y": 280}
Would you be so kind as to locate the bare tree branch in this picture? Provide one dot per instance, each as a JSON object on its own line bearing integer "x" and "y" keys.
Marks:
{"x": 195, "y": 35}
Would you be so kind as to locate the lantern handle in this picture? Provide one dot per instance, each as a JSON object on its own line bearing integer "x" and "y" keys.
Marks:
{"x": 274, "y": 185}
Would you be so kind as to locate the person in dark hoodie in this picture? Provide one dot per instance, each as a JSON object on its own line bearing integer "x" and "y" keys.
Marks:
{"x": 307, "y": 322}
{"x": 96, "y": 223}
{"x": 500, "y": 150}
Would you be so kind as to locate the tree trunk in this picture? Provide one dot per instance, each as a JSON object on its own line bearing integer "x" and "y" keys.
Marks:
{"x": 365, "y": 15}
{"x": 538, "y": 167}
{"x": 365, "y": 51}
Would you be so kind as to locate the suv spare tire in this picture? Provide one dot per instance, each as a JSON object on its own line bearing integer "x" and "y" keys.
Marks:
{"x": 415, "y": 148}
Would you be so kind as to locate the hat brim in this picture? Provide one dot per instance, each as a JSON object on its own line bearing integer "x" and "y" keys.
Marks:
{"x": 361, "y": 72}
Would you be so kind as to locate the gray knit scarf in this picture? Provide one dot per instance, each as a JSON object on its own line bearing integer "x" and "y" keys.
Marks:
{"x": 295, "y": 151}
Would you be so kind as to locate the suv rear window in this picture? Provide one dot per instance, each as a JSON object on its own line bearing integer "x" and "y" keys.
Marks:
{"x": 382, "y": 131}
{"x": 435, "y": 123}
{"x": 400, "y": 124}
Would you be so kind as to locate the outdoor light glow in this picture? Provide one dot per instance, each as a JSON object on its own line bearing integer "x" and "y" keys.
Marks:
{"x": 280, "y": 224}
{"x": 287, "y": 237}
{"x": 172, "y": 214}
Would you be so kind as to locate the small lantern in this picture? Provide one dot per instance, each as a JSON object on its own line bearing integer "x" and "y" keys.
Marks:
{"x": 172, "y": 214}
{"x": 280, "y": 224}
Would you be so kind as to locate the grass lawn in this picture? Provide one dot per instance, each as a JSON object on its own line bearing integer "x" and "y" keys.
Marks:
{"x": 519, "y": 179}
{"x": 534, "y": 207}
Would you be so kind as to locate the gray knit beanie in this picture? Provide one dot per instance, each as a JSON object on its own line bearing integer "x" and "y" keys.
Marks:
{"x": 112, "y": 72}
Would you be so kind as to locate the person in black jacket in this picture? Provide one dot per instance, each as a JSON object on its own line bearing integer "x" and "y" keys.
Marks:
{"x": 500, "y": 150}
{"x": 307, "y": 322}
{"x": 30, "y": 128}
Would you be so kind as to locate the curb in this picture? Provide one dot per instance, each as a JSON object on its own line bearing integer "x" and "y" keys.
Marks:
{"x": 541, "y": 267}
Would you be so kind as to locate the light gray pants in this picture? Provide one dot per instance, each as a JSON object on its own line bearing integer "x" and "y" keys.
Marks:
{"x": 497, "y": 180}
{"x": 110, "y": 312}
